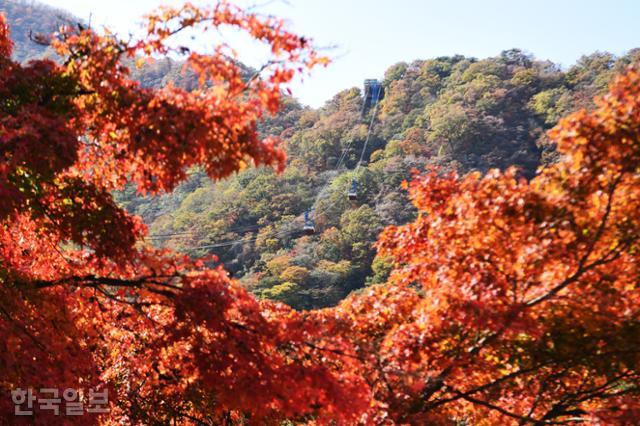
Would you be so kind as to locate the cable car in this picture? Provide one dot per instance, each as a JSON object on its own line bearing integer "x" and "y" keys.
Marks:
{"x": 309, "y": 227}
{"x": 353, "y": 191}
{"x": 373, "y": 92}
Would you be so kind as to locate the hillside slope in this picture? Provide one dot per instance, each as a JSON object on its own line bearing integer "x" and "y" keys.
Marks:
{"x": 456, "y": 112}
{"x": 27, "y": 17}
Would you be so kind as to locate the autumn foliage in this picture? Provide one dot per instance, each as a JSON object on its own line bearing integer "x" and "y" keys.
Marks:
{"x": 510, "y": 301}
{"x": 82, "y": 303}
{"x": 515, "y": 302}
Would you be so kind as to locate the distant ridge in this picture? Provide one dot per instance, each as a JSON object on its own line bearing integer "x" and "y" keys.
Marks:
{"x": 29, "y": 16}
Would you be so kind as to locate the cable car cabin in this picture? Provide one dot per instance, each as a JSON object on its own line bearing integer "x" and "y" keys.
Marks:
{"x": 309, "y": 227}
{"x": 373, "y": 92}
{"x": 353, "y": 191}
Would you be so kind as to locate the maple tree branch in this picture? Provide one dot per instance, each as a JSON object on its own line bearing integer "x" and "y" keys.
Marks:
{"x": 563, "y": 407}
{"x": 22, "y": 328}
{"x": 136, "y": 304}
{"x": 487, "y": 385}
{"x": 195, "y": 419}
{"x": 92, "y": 281}
{"x": 305, "y": 343}
{"x": 256, "y": 74}
{"x": 543, "y": 387}
{"x": 334, "y": 351}
{"x": 572, "y": 361}
{"x": 439, "y": 382}
{"x": 524, "y": 419}
{"x": 581, "y": 269}
{"x": 497, "y": 408}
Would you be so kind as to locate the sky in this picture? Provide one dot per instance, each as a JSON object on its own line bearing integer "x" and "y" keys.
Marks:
{"x": 365, "y": 37}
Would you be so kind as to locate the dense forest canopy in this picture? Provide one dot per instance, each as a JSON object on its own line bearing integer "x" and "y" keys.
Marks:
{"x": 487, "y": 272}
{"x": 455, "y": 112}
{"x": 29, "y": 18}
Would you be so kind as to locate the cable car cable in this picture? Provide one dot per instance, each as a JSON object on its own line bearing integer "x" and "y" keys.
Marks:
{"x": 308, "y": 211}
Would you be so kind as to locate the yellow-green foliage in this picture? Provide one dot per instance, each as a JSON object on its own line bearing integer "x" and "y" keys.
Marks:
{"x": 453, "y": 112}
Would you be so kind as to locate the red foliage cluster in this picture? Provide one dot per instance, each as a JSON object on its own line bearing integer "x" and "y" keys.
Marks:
{"x": 510, "y": 302}
{"x": 86, "y": 305}
{"x": 514, "y": 301}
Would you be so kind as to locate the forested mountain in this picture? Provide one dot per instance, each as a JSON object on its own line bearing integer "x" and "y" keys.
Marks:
{"x": 29, "y": 17}
{"x": 505, "y": 298}
{"x": 455, "y": 112}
